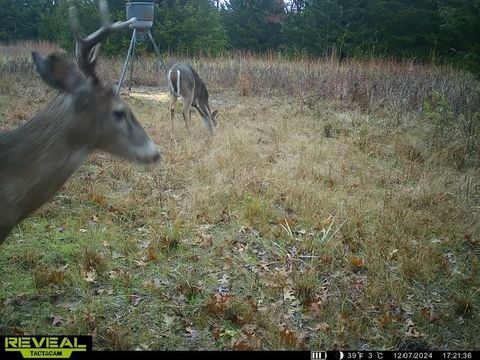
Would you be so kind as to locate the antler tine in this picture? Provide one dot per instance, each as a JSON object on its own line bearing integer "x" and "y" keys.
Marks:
{"x": 74, "y": 23}
{"x": 81, "y": 51}
{"x": 107, "y": 26}
{"x": 84, "y": 46}
{"x": 103, "y": 5}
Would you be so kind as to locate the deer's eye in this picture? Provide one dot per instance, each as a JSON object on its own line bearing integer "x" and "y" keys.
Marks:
{"x": 119, "y": 115}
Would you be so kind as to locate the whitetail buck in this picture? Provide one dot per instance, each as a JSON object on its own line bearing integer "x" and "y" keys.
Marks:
{"x": 184, "y": 82}
{"x": 38, "y": 157}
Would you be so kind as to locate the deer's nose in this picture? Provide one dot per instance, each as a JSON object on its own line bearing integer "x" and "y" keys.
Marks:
{"x": 156, "y": 157}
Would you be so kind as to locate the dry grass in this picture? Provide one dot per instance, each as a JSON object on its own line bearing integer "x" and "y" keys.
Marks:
{"x": 24, "y": 48}
{"x": 310, "y": 220}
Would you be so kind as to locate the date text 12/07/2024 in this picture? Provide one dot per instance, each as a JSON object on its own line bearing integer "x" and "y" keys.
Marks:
{"x": 395, "y": 355}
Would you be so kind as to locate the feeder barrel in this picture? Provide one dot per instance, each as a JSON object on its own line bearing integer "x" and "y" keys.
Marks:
{"x": 143, "y": 11}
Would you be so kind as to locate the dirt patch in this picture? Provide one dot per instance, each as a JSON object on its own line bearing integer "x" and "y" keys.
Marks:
{"x": 221, "y": 100}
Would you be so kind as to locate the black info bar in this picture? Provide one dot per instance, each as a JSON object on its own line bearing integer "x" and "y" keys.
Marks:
{"x": 392, "y": 355}
{"x": 80, "y": 347}
{"x": 306, "y": 355}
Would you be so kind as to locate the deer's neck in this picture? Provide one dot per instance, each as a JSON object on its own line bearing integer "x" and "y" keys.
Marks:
{"x": 37, "y": 158}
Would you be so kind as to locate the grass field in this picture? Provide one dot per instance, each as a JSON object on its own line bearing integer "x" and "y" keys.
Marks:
{"x": 337, "y": 206}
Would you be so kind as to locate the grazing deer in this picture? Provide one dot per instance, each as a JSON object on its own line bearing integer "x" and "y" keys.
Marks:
{"x": 38, "y": 157}
{"x": 184, "y": 82}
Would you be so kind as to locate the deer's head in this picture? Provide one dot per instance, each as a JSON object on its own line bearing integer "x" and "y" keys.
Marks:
{"x": 100, "y": 118}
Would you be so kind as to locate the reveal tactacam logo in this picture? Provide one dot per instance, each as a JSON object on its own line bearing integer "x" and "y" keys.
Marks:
{"x": 51, "y": 347}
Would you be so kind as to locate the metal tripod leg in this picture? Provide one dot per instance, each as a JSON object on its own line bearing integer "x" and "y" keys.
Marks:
{"x": 155, "y": 47}
{"x": 131, "y": 65}
{"x": 125, "y": 65}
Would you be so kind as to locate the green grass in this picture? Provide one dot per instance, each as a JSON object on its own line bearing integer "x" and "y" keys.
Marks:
{"x": 297, "y": 226}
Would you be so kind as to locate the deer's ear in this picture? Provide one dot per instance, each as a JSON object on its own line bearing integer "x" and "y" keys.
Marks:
{"x": 215, "y": 114}
{"x": 57, "y": 72}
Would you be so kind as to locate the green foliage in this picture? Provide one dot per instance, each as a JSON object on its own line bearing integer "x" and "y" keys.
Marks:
{"x": 22, "y": 19}
{"x": 425, "y": 30}
{"x": 254, "y": 25}
{"x": 439, "y": 111}
{"x": 189, "y": 26}
{"x": 460, "y": 32}
{"x": 455, "y": 133}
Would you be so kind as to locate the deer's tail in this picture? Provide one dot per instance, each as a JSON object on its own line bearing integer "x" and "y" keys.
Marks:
{"x": 174, "y": 81}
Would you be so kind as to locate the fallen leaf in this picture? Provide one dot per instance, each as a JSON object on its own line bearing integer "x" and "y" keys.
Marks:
{"x": 89, "y": 317}
{"x": 152, "y": 254}
{"x": 288, "y": 294}
{"x": 357, "y": 261}
{"x": 358, "y": 283}
{"x": 218, "y": 303}
{"x": 223, "y": 290}
{"x": 217, "y": 333}
{"x": 140, "y": 262}
{"x": 142, "y": 347}
{"x": 224, "y": 279}
{"x": 112, "y": 209}
{"x": 90, "y": 276}
{"x": 323, "y": 327}
{"x": 135, "y": 299}
{"x": 315, "y": 307}
{"x": 412, "y": 330}
{"x": 429, "y": 313}
{"x": 391, "y": 254}
{"x": 99, "y": 199}
{"x": 289, "y": 337}
{"x": 243, "y": 344}
{"x": 57, "y": 320}
{"x": 191, "y": 333}
{"x": 168, "y": 320}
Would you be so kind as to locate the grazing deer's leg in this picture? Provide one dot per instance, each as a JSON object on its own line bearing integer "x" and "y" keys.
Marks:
{"x": 187, "y": 104}
{"x": 173, "y": 101}
{"x": 214, "y": 118}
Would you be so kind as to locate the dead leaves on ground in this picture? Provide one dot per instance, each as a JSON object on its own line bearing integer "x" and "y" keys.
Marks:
{"x": 44, "y": 276}
{"x": 357, "y": 262}
{"x": 411, "y": 329}
{"x": 248, "y": 339}
{"x": 90, "y": 276}
{"x": 218, "y": 303}
{"x": 291, "y": 338}
{"x": 59, "y": 321}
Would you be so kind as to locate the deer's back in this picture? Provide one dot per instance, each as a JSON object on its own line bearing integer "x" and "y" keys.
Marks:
{"x": 189, "y": 79}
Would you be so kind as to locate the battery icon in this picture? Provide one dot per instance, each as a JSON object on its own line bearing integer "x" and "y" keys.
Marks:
{"x": 318, "y": 355}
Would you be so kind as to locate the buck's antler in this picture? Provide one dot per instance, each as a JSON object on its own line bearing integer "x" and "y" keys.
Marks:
{"x": 86, "y": 49}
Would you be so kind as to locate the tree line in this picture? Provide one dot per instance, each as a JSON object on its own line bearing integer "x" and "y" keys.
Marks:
{"x": 423, "y": 30}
